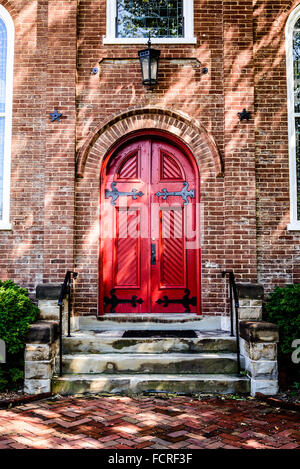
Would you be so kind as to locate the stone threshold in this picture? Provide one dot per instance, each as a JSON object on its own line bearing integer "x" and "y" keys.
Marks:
{"x": 151, "y": 321}
{"x": 165, "y": 318}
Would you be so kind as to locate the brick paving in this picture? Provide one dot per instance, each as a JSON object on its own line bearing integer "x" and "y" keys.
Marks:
{"x": 148, "y": 422}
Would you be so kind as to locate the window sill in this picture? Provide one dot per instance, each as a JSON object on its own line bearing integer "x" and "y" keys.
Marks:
{"x": 294, "y": 226}
{"x": 143, "y": 40}
{"x": 5, "y": 226}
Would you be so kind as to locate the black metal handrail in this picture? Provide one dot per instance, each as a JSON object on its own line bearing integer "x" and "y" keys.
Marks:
{"x": 234, "y": 305}
{"x": 66, "y": 289}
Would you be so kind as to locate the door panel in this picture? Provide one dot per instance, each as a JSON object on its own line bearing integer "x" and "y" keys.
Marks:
{"x": 129, "y": 169}
{"x": 125, "y": 250}
{"x": 127, "y": 260}
{"x": 169, "y": 168}
{"x": 172, "y": 245}
{"x": 176, "y": 269}
{"x": 147, "y": 264}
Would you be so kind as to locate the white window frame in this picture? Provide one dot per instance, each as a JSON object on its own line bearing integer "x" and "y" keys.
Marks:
{"x": 294, "y": 224}
{"x": 110, "y": 38}
{"x": 7, "y": 19}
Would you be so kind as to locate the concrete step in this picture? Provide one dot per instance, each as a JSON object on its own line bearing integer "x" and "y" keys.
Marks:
{"x": 135, "y": 384}
{"x": 149, "y": 321}
{"x": 209, "y": 363}
{"x": 112, "y": 342}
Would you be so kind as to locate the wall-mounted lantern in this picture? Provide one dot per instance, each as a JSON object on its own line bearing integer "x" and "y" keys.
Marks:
{"x": 149, "y": 64}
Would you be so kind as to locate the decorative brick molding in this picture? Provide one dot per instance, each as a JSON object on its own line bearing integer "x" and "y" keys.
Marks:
{"x": 10, "y": 8}
{"x": 105, "y": 135}
{"x": 258, "y": 342}
{"x": 40, "y": 353}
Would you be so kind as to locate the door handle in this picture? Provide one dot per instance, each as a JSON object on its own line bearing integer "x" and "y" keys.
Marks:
{"x": 153, "y": 254}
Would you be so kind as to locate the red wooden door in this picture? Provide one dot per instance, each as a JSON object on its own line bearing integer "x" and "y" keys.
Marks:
{"x": 150, "y": 257}
{"x": 173, "y": 226}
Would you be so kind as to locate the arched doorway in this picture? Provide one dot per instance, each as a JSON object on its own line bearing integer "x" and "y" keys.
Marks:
{"x": 149, "y": 228}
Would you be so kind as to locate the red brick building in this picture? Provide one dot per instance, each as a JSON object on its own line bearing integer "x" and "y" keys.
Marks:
{"x": 217, "y": 58}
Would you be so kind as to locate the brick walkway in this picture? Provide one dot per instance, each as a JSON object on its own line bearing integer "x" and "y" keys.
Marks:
{"x": 148, "y": 422}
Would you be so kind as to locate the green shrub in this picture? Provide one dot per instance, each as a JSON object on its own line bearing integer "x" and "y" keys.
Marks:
{"x": 283, "y": 309}
{"x": 17, "y": 312}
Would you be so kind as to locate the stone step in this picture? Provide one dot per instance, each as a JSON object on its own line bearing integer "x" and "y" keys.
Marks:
{"x": 112, "y": 342}
{"x": 209, "y": 363}
{"x": 149, "y": 321}
{"x": 135, "y": 384}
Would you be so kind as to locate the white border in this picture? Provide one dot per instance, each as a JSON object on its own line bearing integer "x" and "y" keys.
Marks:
{"x": 110, "y": 38}
{"x": 289, "y": 28}
{"x": 5, "y": 16}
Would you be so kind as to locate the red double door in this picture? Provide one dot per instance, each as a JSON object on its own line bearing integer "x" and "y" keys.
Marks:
{"x": 150, "y": 253}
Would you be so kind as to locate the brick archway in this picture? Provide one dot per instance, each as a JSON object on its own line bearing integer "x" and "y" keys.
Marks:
{"x": 11, "y": 10}
{"x": 91, "y": 157}
{"x": 193, "y": 134}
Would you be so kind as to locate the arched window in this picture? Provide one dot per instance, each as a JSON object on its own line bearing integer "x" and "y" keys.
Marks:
{"x": 6, "y": 86}
{"x": 293, "y": 88}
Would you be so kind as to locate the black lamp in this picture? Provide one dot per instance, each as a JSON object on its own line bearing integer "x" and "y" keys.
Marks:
{"x": 149, "y": 64}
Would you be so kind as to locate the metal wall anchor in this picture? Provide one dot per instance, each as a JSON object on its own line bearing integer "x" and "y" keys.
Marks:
{"x": 114, "y": 301}
{"x": 55, "y": 116}
{"x": 184, "y": 193}
{"x": 185, "y": 301}
{"x": 115, "y": 194}
{"x": 244, "y": 115}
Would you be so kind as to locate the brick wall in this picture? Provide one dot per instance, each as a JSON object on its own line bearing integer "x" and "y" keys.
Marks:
{"x": 240, "y": 188}
{"x": 39, "y": 248}
{"x": 278, "y": 250}
{"x": 21, "y": 250}
{"x": 60, "y": 138}
{"x": 245, "y": 211}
